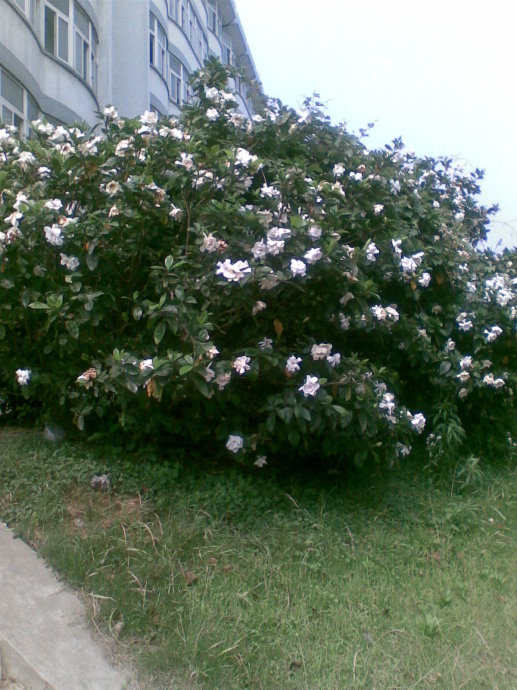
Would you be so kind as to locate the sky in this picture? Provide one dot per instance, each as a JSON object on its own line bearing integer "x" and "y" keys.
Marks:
{"x": 441, "y": 75}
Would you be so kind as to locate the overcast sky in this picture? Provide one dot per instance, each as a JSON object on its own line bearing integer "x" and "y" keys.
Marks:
{"x": 440, "y": 74}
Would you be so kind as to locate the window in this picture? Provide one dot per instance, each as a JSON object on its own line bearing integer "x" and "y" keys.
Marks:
{"x": 175, "y": 75}
{"x": 82, "y": 43}
{"x": 184, "y": 15}
{"x": 215, "y": 23}
{"x": 173, "y": 10}
{"x": 179, "y": 88}
{"x": 93, "y": 58}
{"x": 155, "y": 110}
{"x": 56, "y": 23}
{"x": 69, "y": 34}
{"x": 228, "y": 58}
{"x": 158, "y": 45}
{"x": 17, "y": 106}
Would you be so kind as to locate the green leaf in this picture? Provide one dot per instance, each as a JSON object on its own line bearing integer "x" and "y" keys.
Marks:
{"x": 445, "y": 367}
{"x": 301, "y": 412}
{"x": 293, "y": 436}
{"x": 159, "y": 332}
{"x": 92, "y": 261}
{"x": 203, "y": 387}
{"x": 38, "y": 305}
{"x": 185, "y": 369}
{"x": 73, "y": 329}
{"x": 169, "y": 260}
{"x": 346, "y": 415}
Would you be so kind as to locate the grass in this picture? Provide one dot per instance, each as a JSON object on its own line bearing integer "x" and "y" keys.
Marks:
{"x": 224, "y": 578}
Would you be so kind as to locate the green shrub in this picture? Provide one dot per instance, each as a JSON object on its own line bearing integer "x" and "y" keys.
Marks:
{"x": 272, "y": 286}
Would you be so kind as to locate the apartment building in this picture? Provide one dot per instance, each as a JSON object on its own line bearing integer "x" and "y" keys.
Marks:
{"x": 66, "y": 59}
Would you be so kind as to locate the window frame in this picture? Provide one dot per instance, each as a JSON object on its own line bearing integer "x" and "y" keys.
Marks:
{"x": 20, "y": 118}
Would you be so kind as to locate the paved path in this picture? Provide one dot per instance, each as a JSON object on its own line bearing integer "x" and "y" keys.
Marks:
{"x": 45, "y": 640}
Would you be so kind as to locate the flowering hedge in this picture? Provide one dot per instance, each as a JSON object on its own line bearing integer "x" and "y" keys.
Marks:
{"x": 271, "y": 286}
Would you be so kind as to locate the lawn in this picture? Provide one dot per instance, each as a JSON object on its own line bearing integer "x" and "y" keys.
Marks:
{"x": 221, "y": 577}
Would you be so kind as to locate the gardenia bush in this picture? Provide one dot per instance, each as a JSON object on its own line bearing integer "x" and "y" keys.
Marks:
{"x": 263, "y": 288}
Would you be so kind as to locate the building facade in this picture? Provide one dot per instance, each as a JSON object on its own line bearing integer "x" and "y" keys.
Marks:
{"x": 64, "y": 60}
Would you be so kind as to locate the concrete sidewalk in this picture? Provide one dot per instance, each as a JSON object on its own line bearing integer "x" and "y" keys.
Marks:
{"x": 45, "y": 640}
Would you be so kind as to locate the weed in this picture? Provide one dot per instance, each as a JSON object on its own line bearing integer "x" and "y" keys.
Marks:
{"x": 226, "y": 578}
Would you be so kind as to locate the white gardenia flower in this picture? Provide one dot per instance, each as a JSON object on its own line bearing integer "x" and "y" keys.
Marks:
{"x": 71, "y": 263}
{"x": 310, "y": 387}
{"x": 466, "y": 362}
{"x": 266, "y": 344}
{"x": 465, "y": 325}
{"x": 112, "y": 187}
{"x": 13, "y": 219}
{"x": 292, "y": 364}
{"x": 298, "y": 268}
{"x": 25, "y": 158}
{"x": 396, "y": 247}
{"x": 110, "y": 113}
{"x": 387, "y": 403}
{"x": 418, "y": 422}
{"x": 463, "y": 376}
{"x": 338, "y": 170}
{"x": 379, "y": 312}
{"x": 492, "y": 334}
{"x": 261, "y": 461}
{"x": 149, "y": 118}
{"x": 321, "y": 351}
{"x": 241, "y": 364}
{"x": 244, "y": 157}
{"x": 450, "y": 345}
{"x": 357, "y": 176}
{"x": 401, "y": 450}
{"x": 21, "y": 198}
{"x": 258, "y": 307}
{"x": 209, "y": 244}
{"x": 313, "y": 255}
{"x": 234, "y": 443}
{"x": 334, "y": 360}
{"x": 314, "y": 231}
{"x": 344, "y": 321}
{"x": 222, "y": 380}
{"x": 122, "y": 147}
{"x": 145, "y": 366}
{"x": 53, "y": 204}
{"x": 53, "y": 235}
{"x": 503, "y": 297}
{"x": 212, "y": 114}
{"x": 279, "y": 234}
{"x": 208, "y": 374}
{"x": 269, "y": 192}
{"x": 489, "y": 380}
{"x": 378, "y": 209}
{"x": 371, "y": 252}
{"x": 212, "y": 93}
{"x": 392, "y": 313}
{"x": 275, "y": 247}
{"x": 424, "y": 279}
{"x": 395, "y": 187}
{"x": 185, "y": 160}
{"x": 407, "y": 264}
{"x": 259, "y": 250}
{"x": 233, "y": 272}
{"x": 23, "y": 376}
